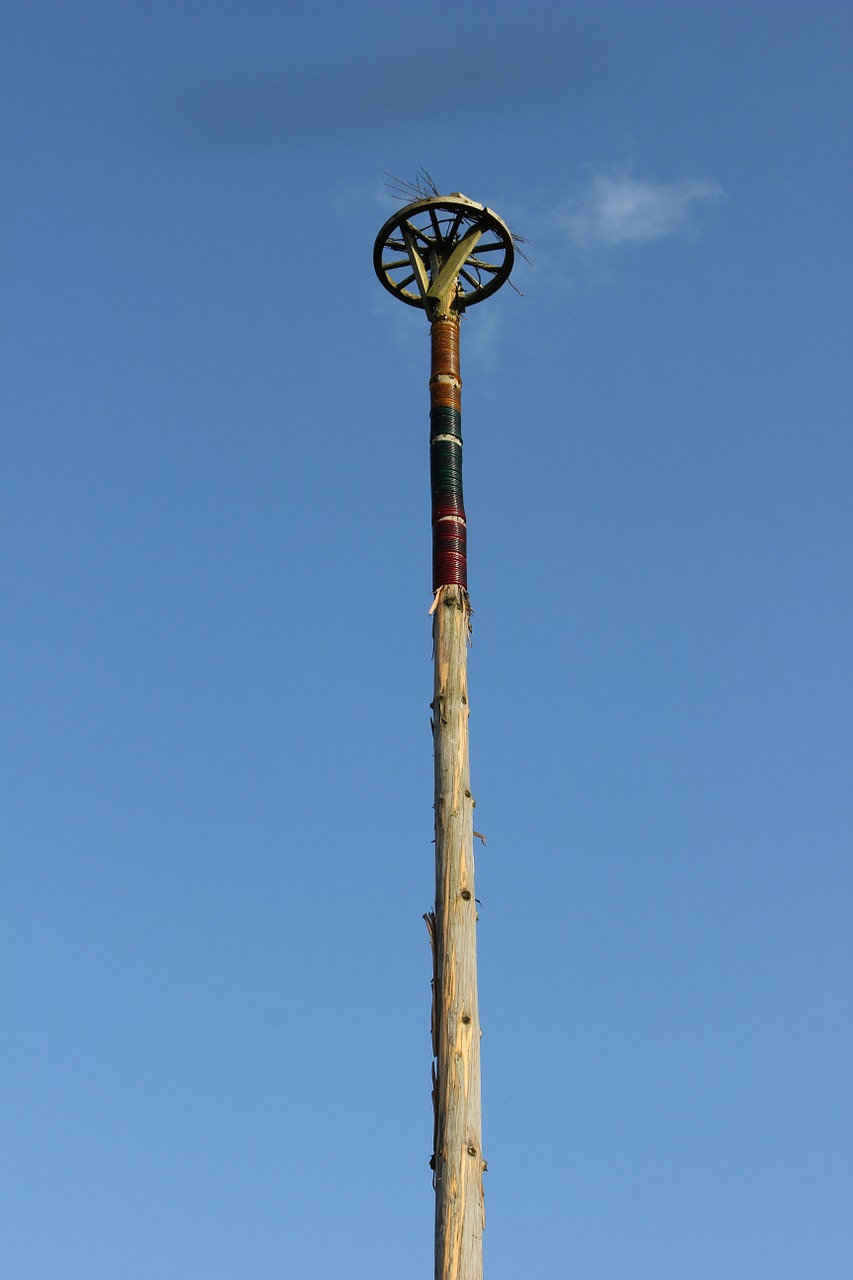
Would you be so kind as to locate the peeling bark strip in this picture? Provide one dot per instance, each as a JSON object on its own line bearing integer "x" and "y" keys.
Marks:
{"x": 458, "y": 1159}
{"x": 449, "y": 531}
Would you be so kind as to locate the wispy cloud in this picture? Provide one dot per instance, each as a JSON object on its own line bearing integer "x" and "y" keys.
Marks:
{"x": 616, "y": 208}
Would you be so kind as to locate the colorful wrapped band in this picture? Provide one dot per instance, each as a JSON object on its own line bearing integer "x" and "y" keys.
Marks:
{"x": 449, "y": 532}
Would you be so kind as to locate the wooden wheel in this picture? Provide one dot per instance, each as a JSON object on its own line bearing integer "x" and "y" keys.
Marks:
{"x": 443, "y": 252}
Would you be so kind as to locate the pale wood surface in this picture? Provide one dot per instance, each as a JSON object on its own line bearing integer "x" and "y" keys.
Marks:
{"x": 458, "y": 1157}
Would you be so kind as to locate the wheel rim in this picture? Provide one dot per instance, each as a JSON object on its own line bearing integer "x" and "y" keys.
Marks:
{"x": 421, "y": 239}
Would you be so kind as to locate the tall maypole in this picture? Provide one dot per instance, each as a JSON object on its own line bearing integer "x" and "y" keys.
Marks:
{"x": 443, "y": 254}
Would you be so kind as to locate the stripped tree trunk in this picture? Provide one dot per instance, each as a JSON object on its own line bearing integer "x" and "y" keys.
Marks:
{"x": 457, "y": 1160}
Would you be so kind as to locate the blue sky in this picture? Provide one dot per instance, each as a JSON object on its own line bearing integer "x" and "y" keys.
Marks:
{"x": 217, "y": 769}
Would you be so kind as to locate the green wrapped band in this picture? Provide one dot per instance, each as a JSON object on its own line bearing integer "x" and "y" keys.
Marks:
{"x": 445, "y": 421}
{"x": 447, "y": 484}
{"x": 445, "y": 467}
{"x": 445, "y": 454}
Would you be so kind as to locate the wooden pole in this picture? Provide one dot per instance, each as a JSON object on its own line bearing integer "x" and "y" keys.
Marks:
{"x": 457, "y": 1162}
{"x": 444, "y": 254}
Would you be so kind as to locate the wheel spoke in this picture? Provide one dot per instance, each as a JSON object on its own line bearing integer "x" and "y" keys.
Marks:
{"x": 416, "y": 231}
{"x": 483, "y": 266}
{"x": 454, "y": 230}
{"x": 398, "y": 262}
{"x": 401, "y": 284}
{"x": 475, "y": 284}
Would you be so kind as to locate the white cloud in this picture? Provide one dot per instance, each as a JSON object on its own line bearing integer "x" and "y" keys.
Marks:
{"x": 618, "y": 209}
